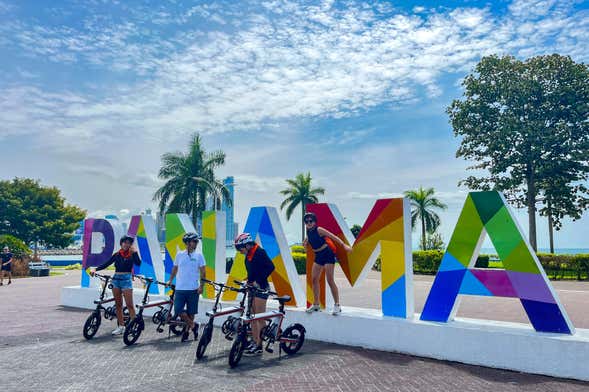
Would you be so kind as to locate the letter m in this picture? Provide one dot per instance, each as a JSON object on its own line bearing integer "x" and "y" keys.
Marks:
{"x": 386, "y": 232}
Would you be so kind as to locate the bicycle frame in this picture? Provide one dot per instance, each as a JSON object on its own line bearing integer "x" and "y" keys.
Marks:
{"x": 214, "y": 312}
{"x": 103, "y": 301}
{"x": 268, "y": 315}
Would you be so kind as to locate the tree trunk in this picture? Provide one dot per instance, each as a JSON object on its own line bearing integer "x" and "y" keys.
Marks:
{"x": 422, "y": 233}
{"x": 303, "y": 223}
{"x": 550, "y": 229}
{"x": 531, "y": 201}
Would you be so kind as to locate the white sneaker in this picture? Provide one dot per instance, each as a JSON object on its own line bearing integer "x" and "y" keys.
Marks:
{"x": 118, "y": 330}
{"x": 313, "y": 308}
{"x": 337, "y": 309}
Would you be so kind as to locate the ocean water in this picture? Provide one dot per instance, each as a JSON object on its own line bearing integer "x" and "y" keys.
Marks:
{"x": 559, "y": 251}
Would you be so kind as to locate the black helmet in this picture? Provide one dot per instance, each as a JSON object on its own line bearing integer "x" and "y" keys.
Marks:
{"x": 190, "y": 237}
{"x": 126, "y": 238}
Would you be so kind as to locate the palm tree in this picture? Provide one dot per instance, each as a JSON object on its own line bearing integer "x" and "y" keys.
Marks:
{"x": 190, "y": 178}
{"x": 299, "y": 191}
{"x": 423, "y": 203}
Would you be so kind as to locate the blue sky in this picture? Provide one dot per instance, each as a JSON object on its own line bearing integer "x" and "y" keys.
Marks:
{"x": 355, "y": 92}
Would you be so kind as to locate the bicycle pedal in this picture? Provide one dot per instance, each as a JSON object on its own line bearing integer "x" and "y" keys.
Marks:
{"x": 160, "y": 330}
{"x": 230, "y": 338}
{"x": 269, "y": 350}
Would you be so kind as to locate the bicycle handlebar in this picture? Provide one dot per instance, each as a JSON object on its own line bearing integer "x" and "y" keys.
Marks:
{"x": 103, "y": 277}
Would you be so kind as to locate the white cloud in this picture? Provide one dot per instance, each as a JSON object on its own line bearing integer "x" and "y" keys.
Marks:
{"x": 295, "y": 61}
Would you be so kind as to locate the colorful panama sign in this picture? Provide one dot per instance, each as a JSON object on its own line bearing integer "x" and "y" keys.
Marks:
{"x": 523, "y": 277}
{"x": 386, "y": 231}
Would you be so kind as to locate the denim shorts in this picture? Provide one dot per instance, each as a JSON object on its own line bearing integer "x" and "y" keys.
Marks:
{"x": 186, "y": 301}
{"x": 122, "y": 281}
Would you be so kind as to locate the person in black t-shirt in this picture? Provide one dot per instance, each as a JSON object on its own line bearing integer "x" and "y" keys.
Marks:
{"x": 323, "y": 243}
{"x": 122, "y": 282}
{"x": 259, "y": 266}
{"x": 6, "y": 261}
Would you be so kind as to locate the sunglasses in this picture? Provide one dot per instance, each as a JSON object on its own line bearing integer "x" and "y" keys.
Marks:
{"x": 309, "y": 221}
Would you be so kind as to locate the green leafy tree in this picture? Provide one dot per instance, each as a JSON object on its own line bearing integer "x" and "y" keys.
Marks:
{"x": 16, "y": 246}
{"x": 434, "y": 241}
{"x": 37, "y": 214}
{"x": 525, "y": 124}
{"x": 356, "y": 229}
{"x": 423, "y": 204}
{"x": 190, "y": 179}
{"x": 300, "y": 192}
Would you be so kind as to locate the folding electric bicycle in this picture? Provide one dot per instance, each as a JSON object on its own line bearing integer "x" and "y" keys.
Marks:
{"x": 291, "y": 339}
{"x": 93, "y": 321}
{"x": 230, "y": 326}
{"x": 163, "y": 316}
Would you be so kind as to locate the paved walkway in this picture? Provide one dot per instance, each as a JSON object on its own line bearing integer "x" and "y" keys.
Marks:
{"x": 41, "y": 349}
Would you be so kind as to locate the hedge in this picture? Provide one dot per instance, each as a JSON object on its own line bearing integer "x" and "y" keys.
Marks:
{"x": 427, "y": 262}
{"x": 565, "y": 266}
{"x": 300, "y": 260}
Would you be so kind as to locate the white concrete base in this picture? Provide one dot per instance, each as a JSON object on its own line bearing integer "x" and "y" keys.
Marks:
{"x": 495, "y": 344}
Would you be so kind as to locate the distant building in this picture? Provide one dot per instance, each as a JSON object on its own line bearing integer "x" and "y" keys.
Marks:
{"x": 229, "y": 208}
{"x": 231, "y": 228}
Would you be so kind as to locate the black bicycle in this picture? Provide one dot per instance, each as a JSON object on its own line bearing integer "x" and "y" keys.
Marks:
{"x": 291, "y": 340}
{"x": 135, "y": 326}
{"x": 95, "y": 319}
{"x": 164, "y": 316}
{"x": 230, "y": 325}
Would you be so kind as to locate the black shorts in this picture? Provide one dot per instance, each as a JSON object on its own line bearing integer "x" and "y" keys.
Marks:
{"x": 263, "y": 286}
{"x": 326, "y": 256}
{"x": 7, "y": 267}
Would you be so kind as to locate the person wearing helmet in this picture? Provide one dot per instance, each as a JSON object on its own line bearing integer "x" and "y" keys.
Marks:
{"x": 322, "y": 243}
{"x": 122, "y": 283}
{"x": 189, "y": 268}
{"x": 259, "y": 266}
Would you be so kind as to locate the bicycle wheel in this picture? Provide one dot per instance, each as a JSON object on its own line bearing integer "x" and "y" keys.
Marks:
{"x": 91, "y": 325}
{"x": 237, "y": 348}
{"x": 297, "y": 333}
{"x": 133, "y": 331}
{"x": 204, "y": 341}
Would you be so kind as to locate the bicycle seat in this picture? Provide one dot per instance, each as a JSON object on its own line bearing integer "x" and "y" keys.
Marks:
{"x": 283, "y": 299}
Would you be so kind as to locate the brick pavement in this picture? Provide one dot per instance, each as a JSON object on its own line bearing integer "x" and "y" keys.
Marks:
{"x": 41, "y": 349}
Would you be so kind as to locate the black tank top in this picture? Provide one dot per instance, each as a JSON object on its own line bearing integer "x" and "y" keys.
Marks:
{"x": 315, "y": 239}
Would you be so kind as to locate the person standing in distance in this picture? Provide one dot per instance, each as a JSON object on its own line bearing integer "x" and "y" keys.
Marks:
{"x": 189, "y": 269}
{"x": 6, "y": 261}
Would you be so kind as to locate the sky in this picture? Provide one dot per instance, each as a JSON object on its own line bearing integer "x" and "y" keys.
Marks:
{"x": 95, "y": 91}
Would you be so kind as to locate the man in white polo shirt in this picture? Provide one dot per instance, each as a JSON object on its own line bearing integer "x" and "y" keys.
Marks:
{"x": 189, "y": 269}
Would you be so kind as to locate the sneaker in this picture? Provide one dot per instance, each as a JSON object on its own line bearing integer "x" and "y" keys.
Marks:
{"x": 118, "y": 330}
{"x": 313, "y": 308}
{"x": 10, "y": 281}
{"x": 337, "y": 309}
{"x": 185, "y": 334}
{"x": 195, "y": 330}
{"x": 253, "y": 350}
